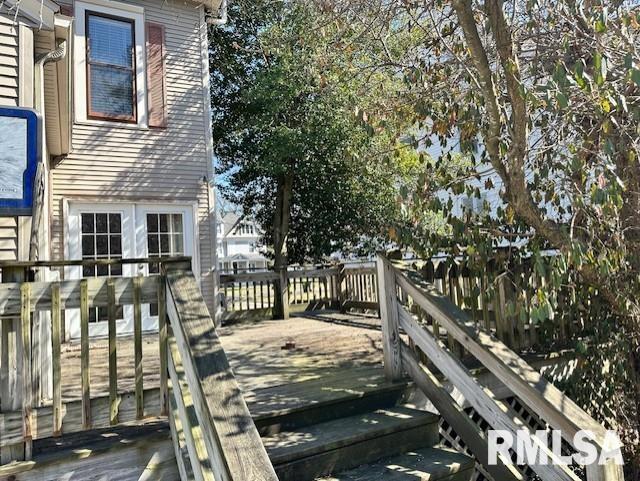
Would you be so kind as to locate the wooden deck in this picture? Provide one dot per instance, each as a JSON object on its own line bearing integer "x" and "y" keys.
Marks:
{"x": 270, "y": 359}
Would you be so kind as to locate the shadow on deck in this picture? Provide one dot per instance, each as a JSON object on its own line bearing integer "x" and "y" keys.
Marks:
{"x": 266, "y": 356}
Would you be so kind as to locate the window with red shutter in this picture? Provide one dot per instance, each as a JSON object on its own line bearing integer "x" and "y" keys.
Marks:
{"x": 156, "y": 86}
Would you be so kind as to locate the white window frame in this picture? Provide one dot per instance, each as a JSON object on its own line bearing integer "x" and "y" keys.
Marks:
{"x": 73, "y": 250}
{"x": 189, "y": 226}
{"x": 117, "y": 9}
{"x": 134, "y": 217}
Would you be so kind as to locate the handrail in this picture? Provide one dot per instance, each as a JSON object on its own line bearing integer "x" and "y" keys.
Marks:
{"x": 70, "y": 293}
{"x": 549, "y": 403}
{"x": 249, "y": 277}
{"x": 97, "y": 262}
{"x": 198, "y": 362}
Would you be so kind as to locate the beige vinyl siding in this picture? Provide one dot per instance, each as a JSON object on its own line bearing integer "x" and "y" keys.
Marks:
{"x": 8, "y": 60}
{"x": 8, "y": 238}
{"x": 8, "y": 97}
{"x": 126, "y": 163}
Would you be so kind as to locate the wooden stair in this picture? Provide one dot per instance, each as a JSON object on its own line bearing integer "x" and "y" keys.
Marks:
{"x": 363, "y": 433}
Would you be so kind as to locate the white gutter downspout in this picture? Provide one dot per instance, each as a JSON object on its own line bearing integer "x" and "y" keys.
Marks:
{"x": 222, "y": 19}
{"x": 42, "y": 326}
{"x": 42, "y": 170}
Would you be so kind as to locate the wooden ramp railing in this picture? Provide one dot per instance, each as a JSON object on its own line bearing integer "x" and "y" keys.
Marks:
{"x": 214, "y": 435}
{"x": 400, "y": 286}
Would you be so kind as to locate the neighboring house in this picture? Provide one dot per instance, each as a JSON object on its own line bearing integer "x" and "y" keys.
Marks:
{"x": 238, "y": 238}
{"x": 128, "y": 152}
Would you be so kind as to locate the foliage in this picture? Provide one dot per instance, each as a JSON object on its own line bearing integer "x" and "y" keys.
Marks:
{"x": 545, "y": 97}
{"x": 285, "y": 107}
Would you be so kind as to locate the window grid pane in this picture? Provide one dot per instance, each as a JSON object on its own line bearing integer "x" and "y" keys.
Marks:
{"x": 164, "y": 238}
{"x": 101, "y": 239}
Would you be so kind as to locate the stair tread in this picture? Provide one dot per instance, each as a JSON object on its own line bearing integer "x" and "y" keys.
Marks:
{"x": 330, "y": 435}
{"x": 332, "y": 388}
{"x": 428, "y": 464}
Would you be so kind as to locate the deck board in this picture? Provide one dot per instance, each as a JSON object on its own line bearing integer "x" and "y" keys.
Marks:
{"x": 329, "y": 353}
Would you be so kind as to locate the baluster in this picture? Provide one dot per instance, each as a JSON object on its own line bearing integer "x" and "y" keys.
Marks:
{"x": 269, "y": 302}
{"x": 137, "y": 347}
{"x": 27, "y": 386}
{"x": 518, "y": 300}
{"x": 55, "y": 359}
{"x": 162, "y": 339}
{"x": 255, "y": 295}
{"x": 448, "y": 291}
{"x": 484, "y": 296}
{"x": 113, "y": 358}
{"x": 84, "y": 355}
{"x": 324, "y": 283}
{"x": 233, "y": 296}
{"x": 261, "y": 295}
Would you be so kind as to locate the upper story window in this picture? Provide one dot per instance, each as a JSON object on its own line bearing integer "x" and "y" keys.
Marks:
{"x": 119, "y": 66}
{"x": 111, "y": 67}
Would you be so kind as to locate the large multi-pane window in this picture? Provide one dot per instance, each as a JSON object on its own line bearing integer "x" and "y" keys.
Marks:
{"x": 101, "y": 239}
{"x": 111, "y": 70}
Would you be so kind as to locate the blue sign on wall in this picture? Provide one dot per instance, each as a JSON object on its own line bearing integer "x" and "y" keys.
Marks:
{"x": 20, "y": 152}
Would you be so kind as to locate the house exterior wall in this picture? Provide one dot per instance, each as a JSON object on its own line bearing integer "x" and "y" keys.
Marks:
{"x": 8, "y": 97}
{"x": 8, "y": 60}
{"x": 114, "y": 162}
{"x": 16, "y": 81}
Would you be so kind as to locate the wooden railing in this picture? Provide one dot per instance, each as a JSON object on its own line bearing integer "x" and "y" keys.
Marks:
{"x": 214, "y": 435}
{"x": 252, "y": 295}
{"x": 32, "y": 317}
{"x": 360, "y": 287}
{"x": 498, "y": 295}
{"x": 403, "y": 287}
{"x": 213, "y": 432}
{"x": 501, "y": 296}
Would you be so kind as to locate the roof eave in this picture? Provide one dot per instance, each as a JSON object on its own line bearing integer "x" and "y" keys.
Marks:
{"x": 39, "y": 12}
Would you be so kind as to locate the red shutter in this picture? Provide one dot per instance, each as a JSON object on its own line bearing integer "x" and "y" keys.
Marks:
{"x": 156, "y": 88}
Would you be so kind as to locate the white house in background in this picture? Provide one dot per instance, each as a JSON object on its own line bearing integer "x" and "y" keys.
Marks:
{"x": 237, "y": 245}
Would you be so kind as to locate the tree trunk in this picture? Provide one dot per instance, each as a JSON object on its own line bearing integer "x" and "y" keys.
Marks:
{"x": 281, "y": 218}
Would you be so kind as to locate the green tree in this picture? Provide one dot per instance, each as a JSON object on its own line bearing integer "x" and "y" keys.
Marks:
{"x": 545, "y": 94}
{"x": 290, "y": 136}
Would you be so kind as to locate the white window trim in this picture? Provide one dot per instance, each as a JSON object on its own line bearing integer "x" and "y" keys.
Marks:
{"x": 133, "y": 220}
{"x": 135, "y": 211}
{"x": 73, "y": 249}
{"x": 117, "y": 9}
{"x": 189, "y": 225}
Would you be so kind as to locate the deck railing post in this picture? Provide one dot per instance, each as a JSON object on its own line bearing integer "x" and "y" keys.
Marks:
{"x": 11, "y": 367}
{"x": 283, "y": 294}
{"x": 341, "y": 294}
{"x": 389, "y": 317}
